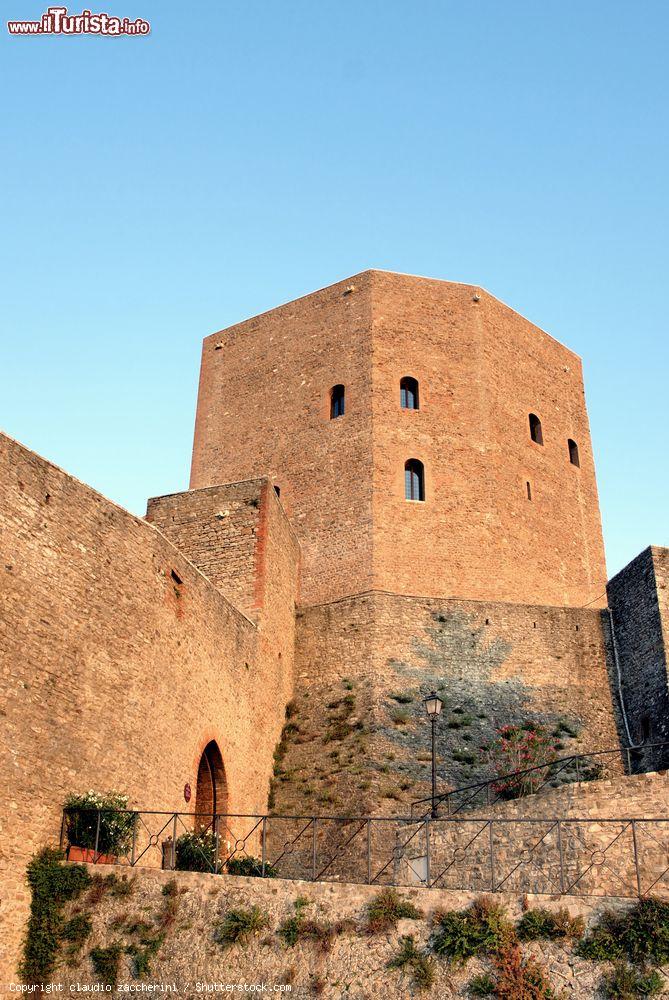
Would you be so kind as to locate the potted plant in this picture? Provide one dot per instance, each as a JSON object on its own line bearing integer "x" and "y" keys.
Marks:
{"x": 196, "y": 852}
{"x": 98, "y": 826}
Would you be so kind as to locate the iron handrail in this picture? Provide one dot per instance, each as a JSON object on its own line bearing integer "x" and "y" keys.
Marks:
{"x": 489, "y": 783}
{"x": 472, "y": 852}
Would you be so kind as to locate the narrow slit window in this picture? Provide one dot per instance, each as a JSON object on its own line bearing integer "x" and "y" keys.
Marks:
{"x": 528, "y": 486}
{"x": 535, "y": 429}
{"x": 277, "y": 490}
{"x": 573, "y": 453}
{"x": 337, "y": 394}
{"x": 409, "y": 393}
{"x": 414, "y": 480}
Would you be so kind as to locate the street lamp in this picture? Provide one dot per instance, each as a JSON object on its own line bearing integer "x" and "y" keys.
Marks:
{"x": 433, "y": 706}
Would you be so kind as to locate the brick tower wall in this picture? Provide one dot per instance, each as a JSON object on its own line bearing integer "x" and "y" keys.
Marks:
{"x": 263, "y": 410}
{"x": 482, "y": 368}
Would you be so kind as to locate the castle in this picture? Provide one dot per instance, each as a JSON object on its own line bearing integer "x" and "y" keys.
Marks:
{"x": 392, "y": 490}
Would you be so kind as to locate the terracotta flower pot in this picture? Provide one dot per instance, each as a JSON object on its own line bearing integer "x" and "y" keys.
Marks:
{"x": 87, "y": 855}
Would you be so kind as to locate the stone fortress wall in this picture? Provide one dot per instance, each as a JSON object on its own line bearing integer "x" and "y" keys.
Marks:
{"x": 121, "y": 661}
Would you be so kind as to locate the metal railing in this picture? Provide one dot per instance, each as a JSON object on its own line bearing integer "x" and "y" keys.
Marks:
{"x": 518, "y": 784}
{"x": 622, "y": 857}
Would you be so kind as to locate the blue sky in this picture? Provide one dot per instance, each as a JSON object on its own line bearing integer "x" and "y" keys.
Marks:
{"x": 159, "y": 188}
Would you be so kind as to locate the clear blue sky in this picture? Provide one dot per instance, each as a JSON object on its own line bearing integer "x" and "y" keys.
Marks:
{"x": 157, "y": 189}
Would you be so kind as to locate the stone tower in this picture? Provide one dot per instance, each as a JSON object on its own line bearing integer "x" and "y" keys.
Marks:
{"x": 494, "y": 422}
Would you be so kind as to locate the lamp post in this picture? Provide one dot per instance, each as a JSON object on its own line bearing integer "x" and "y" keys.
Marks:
{"x": 433, "y": 706}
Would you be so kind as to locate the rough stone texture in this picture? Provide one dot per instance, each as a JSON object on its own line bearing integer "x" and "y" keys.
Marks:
{"x": 482, "y": 368}
{"x": 120, "y": 661}
{"x": 639, "y": 603}
{"x": 356, "y": 965}
{"x": 492, "y": 663}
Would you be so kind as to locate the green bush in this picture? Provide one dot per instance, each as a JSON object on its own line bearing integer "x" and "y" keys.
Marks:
{"x": 239, "y": 925}
{"x": 250, "y": 866}
{"x": 196, "y": 852}
{"x": 420, "y": 965}
{"x": 116, "y": 823}
{"x": 386, "y": 908}
{"x": 542, "y": 923}
{"x": 106, "y": 963}
{"x": 460, "y": 934}
{"x": 52, "y": 884}
{"x": 76, "y": 930}
{"x": 641, "y": 935}
{"x": 482, "y": 985}
{"x": 300, "y": 927}
{"x": 626, "y": 982}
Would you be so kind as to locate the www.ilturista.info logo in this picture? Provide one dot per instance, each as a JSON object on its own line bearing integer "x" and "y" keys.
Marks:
{"x": 56, "y": 21}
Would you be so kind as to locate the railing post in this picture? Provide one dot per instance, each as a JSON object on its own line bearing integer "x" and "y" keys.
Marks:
{"x": 217, "y": 845}
{"x": 427, "y": 853}
{"x": 629, "y": 760}
{"x": 369, "y": 851}
{"x": 559, "y": 837}
{"x": 313, "y": 850}
{"x": 97, "y": 839}
{"x": 491, "y": 841}
{"x": 62, "y": 832}
{"x": 578, "y": 769}
{"x": 264, "y": 844}
{"x": 636, "y": 860}
{"x": 174, "y": 841}
{"x": 134, "y": 841}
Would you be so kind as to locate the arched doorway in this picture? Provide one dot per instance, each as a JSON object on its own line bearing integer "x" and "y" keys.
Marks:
{"x": 211, "y": 795}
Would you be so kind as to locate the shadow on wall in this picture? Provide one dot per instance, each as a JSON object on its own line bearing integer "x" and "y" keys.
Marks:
{"x": 456, "y": 658}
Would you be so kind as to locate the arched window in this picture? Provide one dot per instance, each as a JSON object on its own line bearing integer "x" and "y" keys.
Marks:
{"x": 414, "y": 480}
{"x": 535, "y": 429}
{"x": 409, "y": 393}
{"x": 337, "y": 394}
{"x": 573, "y": 453}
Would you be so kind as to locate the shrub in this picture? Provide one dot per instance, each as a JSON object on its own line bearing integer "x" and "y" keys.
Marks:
{"x": 116, "y": 824}
{"x": 106, "y": 963}
{"x": 196, "y": 852}
{"x": 641, "y": 935}
{"x": 482, "y": 985}
{"x": 76, "y": 930}
{"x": 250, "y": 866}
{"x": 517, "y": 748}
{"x": 519, "y": 978}
{"x": 239, "y": 925}
{"x": 420, "y": 965}
{"x": 481, "y": 930}
{"x": 52, "y": 884}
{"x": 300, "y": 927}
{"x": 386, "y": 908}
{"x": 119, "y": 886}
{"x": 627, "y": 983}
{"x": 542, "y": 923}
{"x": 400, "y": 716}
